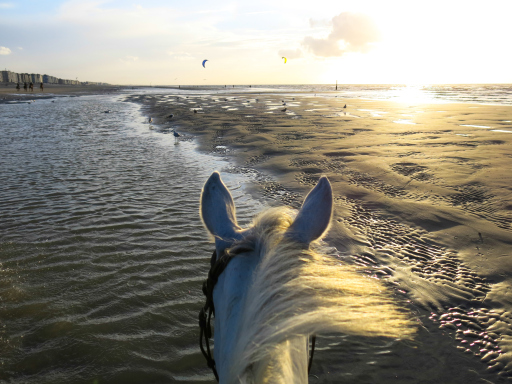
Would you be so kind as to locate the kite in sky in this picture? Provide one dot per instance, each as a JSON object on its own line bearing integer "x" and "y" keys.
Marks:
{"x": 284, "y": 59}
{"x": 204, "y": 61}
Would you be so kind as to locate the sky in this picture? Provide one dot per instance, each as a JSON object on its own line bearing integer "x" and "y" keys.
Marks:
{"x": 163, "y": 42}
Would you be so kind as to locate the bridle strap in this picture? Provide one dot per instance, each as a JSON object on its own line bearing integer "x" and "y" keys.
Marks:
{"x": 217, "y": 266}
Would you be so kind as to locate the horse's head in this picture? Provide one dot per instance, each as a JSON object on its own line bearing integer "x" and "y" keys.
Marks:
{"x": 274, "y": 291}
{"x": 230, "y": 293}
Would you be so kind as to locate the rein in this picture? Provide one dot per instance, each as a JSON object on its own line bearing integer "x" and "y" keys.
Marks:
{"x": 217, "y": 266}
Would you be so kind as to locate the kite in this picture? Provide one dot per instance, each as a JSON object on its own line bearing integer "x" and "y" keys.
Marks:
{"x": 204, "y": 61}
{"x": 284, "y": 59}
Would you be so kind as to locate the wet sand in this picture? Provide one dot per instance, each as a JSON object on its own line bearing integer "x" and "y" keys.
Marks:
{"x": 423, "y": 194}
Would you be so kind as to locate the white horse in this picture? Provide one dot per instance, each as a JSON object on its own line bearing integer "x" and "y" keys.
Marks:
{"x": 275, "y": 291}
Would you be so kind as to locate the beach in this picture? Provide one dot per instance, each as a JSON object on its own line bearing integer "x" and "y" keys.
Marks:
{"x": 423, "y": 193}
{"x": 9, "y": 93}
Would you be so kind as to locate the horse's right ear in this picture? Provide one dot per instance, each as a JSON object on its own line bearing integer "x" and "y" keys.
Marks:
{"x": 218, "y": 212}
{"x": 314, "y": 217}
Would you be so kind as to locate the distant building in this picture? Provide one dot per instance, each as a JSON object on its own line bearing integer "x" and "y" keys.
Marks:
{"x": 36, "y": 78}
{"x": 8, "y": 77}
{"x": 13, "y": 77}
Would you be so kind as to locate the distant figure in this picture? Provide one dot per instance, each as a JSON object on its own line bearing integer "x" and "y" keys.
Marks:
{"x": 31, "y": 86}
{"x": 345, "y": 106}
{"x": 42, "y": 87}
{"x": 195, "y": 111}
{"x": 171, "y": 116}
{"x": 18, "y": 87}
{"x": 25, "y": 86}
{"x": 283, "y": 110}
{"x": 150, "y": 120}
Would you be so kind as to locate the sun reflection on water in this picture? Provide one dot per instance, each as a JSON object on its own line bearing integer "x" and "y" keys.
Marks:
{"x": 413, "y": 94}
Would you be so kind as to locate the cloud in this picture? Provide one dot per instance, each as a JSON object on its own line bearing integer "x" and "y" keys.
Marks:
{"x": 6, "y": 5}
{"x": 351, "y": 32}
{"x": 319, "y": 23}
{"x": 291, "y": 53}
{"x": 5, "y": 51}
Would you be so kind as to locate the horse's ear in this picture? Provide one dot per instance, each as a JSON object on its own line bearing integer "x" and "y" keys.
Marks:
{"x": 315, "y": 214}
{"x": 218, "y": 212}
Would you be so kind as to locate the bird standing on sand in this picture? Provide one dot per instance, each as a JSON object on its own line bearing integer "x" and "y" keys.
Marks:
{"x": 345, "y": 106}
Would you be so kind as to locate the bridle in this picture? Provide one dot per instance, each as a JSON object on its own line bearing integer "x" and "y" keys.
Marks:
{"x": 217, "y": 266}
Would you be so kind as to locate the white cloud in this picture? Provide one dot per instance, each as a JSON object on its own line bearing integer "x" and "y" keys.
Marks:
{"x": 5, "y": 51}
{"x": 6, "y": 5}
{"x": 351, "y": 32}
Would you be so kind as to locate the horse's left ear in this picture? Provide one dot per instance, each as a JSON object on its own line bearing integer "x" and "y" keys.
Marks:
{"x": 218, "y": 212}
{"x": 315, "y": 214}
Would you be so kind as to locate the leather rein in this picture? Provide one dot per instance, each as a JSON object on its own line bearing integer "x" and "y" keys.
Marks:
{"x": 217, "y": 266}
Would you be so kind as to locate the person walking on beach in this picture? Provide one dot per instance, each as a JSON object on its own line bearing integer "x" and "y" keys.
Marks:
{"x": 18, "y": 87}
{"x": 31, "y": 86}
{"x": 25, "y": 86}
{"x": 42, "y": 88}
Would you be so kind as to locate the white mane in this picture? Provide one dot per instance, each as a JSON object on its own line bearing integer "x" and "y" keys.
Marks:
{"x": 296, "y": 292}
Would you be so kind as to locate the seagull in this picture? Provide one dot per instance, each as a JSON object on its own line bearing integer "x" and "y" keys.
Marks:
{"x": 176, "y": 135}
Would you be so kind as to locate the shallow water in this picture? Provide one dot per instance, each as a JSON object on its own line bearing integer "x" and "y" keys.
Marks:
{"x": 102, "y": 253}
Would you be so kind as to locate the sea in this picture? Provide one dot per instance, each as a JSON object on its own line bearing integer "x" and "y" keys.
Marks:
{"x": 102, "y": 251}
